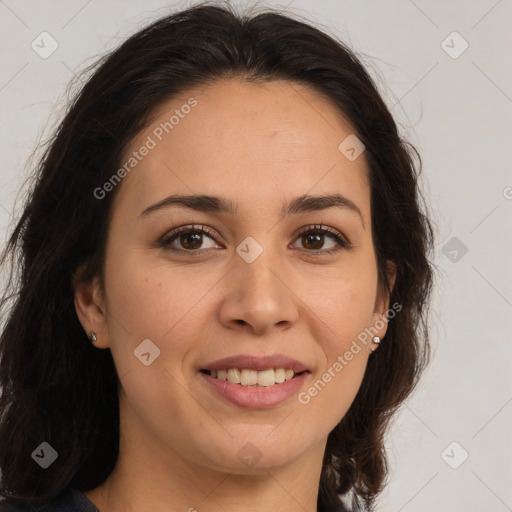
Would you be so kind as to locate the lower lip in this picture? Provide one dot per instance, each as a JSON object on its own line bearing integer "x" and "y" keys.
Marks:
{"x": 262, "y": 397}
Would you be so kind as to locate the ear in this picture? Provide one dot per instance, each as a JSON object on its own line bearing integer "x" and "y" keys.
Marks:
{"x": 380, "y": 316}
{"x": 90, "y": 308}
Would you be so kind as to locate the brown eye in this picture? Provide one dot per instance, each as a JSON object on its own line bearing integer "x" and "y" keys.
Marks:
{"x": 313, "y": 241}
{"x": 189, "y": 240}
{"x": 314, "y": 238}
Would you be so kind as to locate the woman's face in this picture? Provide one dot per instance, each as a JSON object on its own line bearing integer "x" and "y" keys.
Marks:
{"x": 251, "y": 285}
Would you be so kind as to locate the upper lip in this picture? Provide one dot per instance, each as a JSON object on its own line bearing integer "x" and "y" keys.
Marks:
{"x": 258, "y": 363}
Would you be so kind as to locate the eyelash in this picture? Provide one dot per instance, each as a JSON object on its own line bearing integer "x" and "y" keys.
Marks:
{"x": 169, "y": 237}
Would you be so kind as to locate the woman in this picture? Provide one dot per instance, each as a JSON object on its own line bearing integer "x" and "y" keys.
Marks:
{"x": 223, "y": 280}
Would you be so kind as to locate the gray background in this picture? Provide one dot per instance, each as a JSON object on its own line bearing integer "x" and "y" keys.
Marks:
{"x": 457, "y": 111}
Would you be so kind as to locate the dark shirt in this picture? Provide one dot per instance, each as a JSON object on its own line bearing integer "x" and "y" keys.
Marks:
{"x": 72, "y": 500}
{"x": 69, "y": 500}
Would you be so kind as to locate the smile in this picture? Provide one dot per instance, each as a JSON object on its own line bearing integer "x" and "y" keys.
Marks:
{"x": 248, "y": 377}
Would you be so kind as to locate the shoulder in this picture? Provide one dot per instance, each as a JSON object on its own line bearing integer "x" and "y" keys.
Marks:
{"x": 12, "y": 505}
{"x": 69, "y": 500}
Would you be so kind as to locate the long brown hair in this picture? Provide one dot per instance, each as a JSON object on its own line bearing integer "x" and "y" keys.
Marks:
{"x": 55, "y": 386}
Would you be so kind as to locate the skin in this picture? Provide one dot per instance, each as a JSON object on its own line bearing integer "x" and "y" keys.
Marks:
{"x": 259, "y": 146}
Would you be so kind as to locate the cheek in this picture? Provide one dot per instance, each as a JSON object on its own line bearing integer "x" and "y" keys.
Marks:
{"x": 343, "y": 300}
{"x": 343, "y": 305}
{"x": 150, "y": 300}
{"x": 330, "y": 394}
{"x": 339, "y": 331}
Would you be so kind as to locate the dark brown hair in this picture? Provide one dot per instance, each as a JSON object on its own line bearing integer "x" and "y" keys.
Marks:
{"x": 55, "y": 386}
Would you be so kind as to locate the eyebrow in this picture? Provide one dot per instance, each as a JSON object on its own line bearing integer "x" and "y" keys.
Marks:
{"x": 215, "y": 204}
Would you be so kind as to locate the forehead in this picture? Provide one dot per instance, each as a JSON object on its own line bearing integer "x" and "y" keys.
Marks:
{"x": 245, "y": 140}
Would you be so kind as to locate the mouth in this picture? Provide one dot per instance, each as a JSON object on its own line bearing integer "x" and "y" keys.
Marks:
{"x": 255, "y": 378}
{"x": 255, "y": 381}
{"x": 253, "y": 389}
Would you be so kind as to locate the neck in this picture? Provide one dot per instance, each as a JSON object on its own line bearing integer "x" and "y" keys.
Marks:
{"x": 150, "y": 476}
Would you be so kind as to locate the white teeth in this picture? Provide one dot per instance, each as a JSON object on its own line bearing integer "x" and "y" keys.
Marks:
{"x": 266, "y": 378}
{"x": 234, "y": 375}
{"x": 246, "y": 377}
{"x": 280, "y": 375}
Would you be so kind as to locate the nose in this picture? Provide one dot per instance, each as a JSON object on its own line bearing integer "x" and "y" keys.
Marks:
{"x": 259, "y": 296}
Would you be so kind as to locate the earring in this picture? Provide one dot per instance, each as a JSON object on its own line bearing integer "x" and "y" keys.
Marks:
{"x": 93, "y": 337}
{"x": 375, "y": 340}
